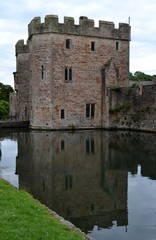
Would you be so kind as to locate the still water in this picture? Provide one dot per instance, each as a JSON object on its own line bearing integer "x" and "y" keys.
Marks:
{"x": 104, "y": 182}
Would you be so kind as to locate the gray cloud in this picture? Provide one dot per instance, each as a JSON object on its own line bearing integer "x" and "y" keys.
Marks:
{"x": 15, "y": 15}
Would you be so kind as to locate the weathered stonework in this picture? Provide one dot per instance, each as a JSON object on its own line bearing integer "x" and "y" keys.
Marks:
{"x": 130, "y": 109}
{"x": 65, "y": 69}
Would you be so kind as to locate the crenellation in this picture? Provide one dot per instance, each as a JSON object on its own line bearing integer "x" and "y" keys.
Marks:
{"x": 86, "y": 27}
{"x": 33, "y": 25}
{"x": 125, "y": 30}
{"x": 69, "y": 21}
{"x": 85, "y": 22}
{"x": 51, "y": 23}
{"x": 21, "y": 47}
{"x": 69, "y": 26}
{"x": 106, "y": 24}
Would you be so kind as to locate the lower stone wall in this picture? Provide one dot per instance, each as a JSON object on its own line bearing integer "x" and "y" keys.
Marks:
{"x": 14, "y": 124}
{"x": 133, "y": 107}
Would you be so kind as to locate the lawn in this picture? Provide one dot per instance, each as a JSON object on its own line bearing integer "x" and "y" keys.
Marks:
{"x": 24, "y": 218}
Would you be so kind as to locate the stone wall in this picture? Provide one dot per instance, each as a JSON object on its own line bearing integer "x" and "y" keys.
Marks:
{"x": 22, "y": 81}
{"x": 13, "y": 105}
{"x": 133, "y": 108}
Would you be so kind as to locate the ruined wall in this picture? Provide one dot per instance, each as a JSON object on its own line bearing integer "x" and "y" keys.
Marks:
{"x": 97, "y": 56}
{"x": 132, "y": 108}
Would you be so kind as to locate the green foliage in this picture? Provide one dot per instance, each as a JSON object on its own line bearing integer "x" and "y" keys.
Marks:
{"x": 140, "y": 76}
{"x": 4, "y": 109}
{"x": 23, "y": 217}
{"x": 5, "y": 91}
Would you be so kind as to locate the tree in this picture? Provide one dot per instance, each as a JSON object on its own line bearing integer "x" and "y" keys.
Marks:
{"x": 4, "y": 109}
{"x": 140, "y": 76}
{"x": 5, "y": 91}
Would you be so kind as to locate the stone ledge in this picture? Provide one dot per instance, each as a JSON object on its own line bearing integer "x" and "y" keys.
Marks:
{"x": 14, "y": 124}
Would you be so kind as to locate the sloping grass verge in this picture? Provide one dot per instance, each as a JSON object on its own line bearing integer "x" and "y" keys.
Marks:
{"x": 24, "y": 218}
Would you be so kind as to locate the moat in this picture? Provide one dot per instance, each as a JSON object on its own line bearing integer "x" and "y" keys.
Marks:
{"x": 104, "y": 182}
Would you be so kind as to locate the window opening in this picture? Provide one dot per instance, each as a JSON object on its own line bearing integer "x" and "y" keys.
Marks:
{"x": 90, "y": 146}
{"x": 62, "y": 144}
{"x": 90, "y": 110}
{"x": 68, "y": 182}
{"x": 92, "y": 46}
{"x": 68, "y": 43}
{"x": 68, "y": 74}
{"x": 42, "y": 71}
{"x": 117, "y": 46}
{"x": 62, "y": 113}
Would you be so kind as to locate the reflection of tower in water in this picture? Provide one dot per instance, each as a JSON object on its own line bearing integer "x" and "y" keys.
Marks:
{"x": 70, "y": 173}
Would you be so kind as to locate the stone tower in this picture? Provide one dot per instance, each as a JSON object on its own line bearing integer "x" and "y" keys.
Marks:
{"x": 64, "y": 71}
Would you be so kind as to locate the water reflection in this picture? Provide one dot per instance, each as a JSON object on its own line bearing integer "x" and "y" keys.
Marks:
{"x": 83, "y": 176}
{"x": 8, "y": 152}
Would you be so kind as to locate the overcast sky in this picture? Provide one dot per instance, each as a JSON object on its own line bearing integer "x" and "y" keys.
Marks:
{"x": 15, "y": 16}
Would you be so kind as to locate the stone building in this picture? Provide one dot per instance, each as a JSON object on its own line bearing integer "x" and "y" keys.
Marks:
{"x": 64, "y": 72}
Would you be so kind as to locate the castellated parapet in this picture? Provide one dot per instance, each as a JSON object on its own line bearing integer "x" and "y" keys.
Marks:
{"x": 21, "y": 47}
{"x": 86, "y": 27}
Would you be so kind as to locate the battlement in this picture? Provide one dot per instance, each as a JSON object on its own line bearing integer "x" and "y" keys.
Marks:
{"x": 21, "y": 47}
{"x": 86, "y": 27}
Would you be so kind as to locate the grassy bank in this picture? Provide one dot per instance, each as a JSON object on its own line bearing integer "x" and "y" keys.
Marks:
{"x": 23, "y": 218}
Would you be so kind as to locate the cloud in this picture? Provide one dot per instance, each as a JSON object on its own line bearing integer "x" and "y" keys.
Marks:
{"x": 15, "y": 15}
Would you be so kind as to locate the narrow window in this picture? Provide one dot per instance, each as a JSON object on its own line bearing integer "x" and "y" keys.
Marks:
{"x": 90, "y": 110}
{"x": 62, "y": 145}
{"x": 62, "y": 113}
{"x": 90, "y": 146}
{"x": 117, "y": 46}
{"x": 87, "y": 147}
{"x": 68, "y": 43}
{"x": 68, "y": 182}
{"x": 92, "y": 46}
{"x": 92, "y": 207}
{"x": 42, "y": 71}
{"x": 87, "y": 110}
{"x": 68, "y": 74}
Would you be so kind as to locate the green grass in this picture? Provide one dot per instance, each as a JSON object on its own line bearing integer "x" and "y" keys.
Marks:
{"x": 24, "y": 218}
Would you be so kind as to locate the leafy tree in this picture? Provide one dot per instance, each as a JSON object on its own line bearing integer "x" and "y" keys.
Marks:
{"x": 140, "y": 76}
{"x": 4, "y": 109}
{"x": 5, "y": 91}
